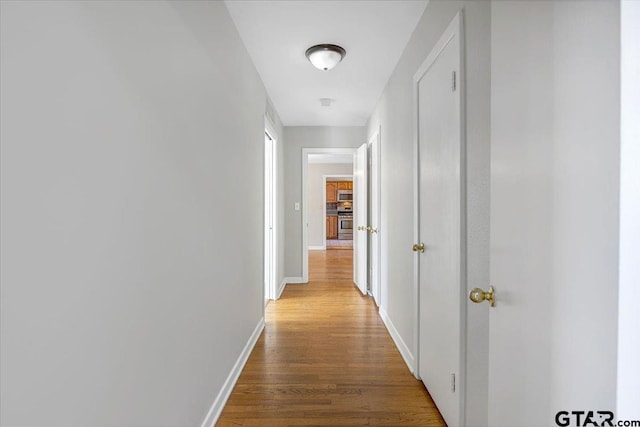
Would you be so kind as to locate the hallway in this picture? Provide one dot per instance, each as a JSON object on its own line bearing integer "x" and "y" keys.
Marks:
{"x": 325, "y": 358}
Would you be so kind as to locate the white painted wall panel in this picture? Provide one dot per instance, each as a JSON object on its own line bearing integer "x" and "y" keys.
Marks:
{"x": 586, "y": 161}
{"x": 555, "y": 205}
{"x": 521, "y": 227}
{"x": 132, "y": 137}
{"x": 629, "y": 293}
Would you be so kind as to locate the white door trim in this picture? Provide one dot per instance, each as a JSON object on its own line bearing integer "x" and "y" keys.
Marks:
{"x": 305, "y": 218}
{"x": 269, "y": 129}
{"x": 454, "y": 28}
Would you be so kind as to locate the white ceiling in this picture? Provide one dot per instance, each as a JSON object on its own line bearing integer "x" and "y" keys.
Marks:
{"x": 277, "y": 34}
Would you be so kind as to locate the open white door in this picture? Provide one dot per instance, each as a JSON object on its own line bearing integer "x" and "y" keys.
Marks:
{"x": 441, "y": 224}
{"x": 360, "y": 233}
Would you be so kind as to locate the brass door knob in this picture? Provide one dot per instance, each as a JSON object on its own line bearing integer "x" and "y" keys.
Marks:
{"x": 477, "y": 295}
{"x": 373, "y": 230}
{"x": 418, "y": 247}
{"x": 368, "y": 228}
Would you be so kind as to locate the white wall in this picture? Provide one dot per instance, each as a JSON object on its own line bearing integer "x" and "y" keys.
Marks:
{"x": 296, "y": 138}
{"x": 586, "y": 127}
{"x": 132, "y": 137}
{"x": 555, "y": 165}
{"x": 521, "y": 232}
{"x": 315, "y": 200}
{"x": 629, "y": 294}
{"x": 394, "y": 113}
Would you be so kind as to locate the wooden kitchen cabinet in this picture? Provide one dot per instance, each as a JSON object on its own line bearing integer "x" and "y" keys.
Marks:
{"x": 343, "y": 185}
{"x": 332, "y": 227}
{"x": 332, "y": 192}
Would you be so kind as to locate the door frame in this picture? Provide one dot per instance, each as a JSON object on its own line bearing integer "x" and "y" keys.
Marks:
{"x": 324, "y": 205}
{"x": 455, "y": 27}
{"x": 270, "y": 292}
{"x": 305, "y": 217}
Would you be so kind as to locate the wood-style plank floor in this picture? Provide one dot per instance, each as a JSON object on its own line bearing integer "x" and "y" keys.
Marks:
{"x": 339, "y": 244}
{"x": 326, "y": 359}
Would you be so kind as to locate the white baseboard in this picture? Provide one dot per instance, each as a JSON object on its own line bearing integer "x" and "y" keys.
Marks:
{"x": 218, "y": 404}
{"x": 285, "y": 282}
{"x": 397, "y": 339}
{"x": 317, "y": 248}
{"x": 281, "y": 288}
{"x": 293, "y": 280}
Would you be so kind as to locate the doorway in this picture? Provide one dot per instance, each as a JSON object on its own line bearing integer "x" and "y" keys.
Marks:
{"x": 270, "y": 202}
{"x": 314, "y": 232}
{"x": 441, "y": 224}
{"x": 365, "y": 192}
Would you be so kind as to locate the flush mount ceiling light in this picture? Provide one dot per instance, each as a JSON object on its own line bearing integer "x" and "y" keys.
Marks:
{"x": 325, "y": 56}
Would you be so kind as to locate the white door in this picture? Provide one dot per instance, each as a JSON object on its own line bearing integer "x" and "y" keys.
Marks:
{"x": 441, "y": 228}
{"x": 360, "y": 237}
{"x": 374, "y": 215}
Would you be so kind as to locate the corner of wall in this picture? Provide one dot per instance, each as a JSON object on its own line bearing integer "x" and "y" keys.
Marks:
{"x": 221, "y": 399}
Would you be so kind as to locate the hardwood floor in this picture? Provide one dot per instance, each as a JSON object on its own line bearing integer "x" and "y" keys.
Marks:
{"x": 326, "y": 359}
{"x": 339, "y": 244}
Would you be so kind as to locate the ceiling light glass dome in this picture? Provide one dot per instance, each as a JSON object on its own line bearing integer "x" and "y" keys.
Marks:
{"x": 325, "y": 56}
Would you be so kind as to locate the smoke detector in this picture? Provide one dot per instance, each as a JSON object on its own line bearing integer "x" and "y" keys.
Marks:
{"x": 326, "y": 102}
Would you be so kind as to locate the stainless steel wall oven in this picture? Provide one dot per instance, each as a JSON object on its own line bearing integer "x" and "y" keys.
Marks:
{"x": 345, "y": 226}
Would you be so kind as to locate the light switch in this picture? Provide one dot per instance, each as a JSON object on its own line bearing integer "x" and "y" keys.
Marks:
{"x": 296, "y": 206}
